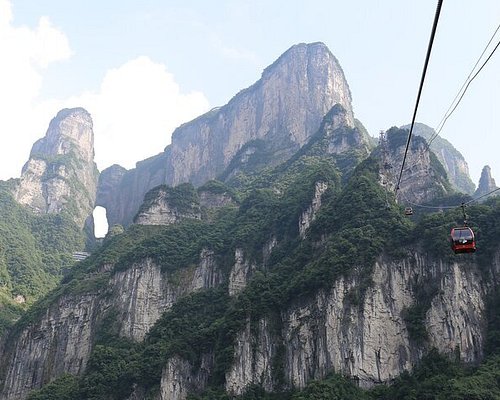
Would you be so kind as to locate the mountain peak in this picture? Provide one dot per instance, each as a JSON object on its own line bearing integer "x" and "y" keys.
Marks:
{"x": 60, "y": 164}
{"x": 279, "y": 113}
{"x": 453, "y": 161}
{"x": 70, "y": 131}
{"x": 486, "y": 182}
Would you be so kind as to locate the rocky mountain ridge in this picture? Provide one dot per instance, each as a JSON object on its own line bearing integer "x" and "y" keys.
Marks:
{"x": 60, "y": 174}
{"x": 452, "y": 160}
{"x": 486, "y": 183}
{"x": 349, "y": 304}
{"x": 299, "y": 265}
{"x": 282, "y": 110}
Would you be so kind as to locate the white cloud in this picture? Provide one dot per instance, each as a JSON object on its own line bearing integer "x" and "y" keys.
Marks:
{"x": 26, "y": 52}
{"x": 135, "y": 110}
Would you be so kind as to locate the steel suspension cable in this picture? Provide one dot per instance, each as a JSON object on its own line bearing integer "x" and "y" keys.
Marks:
{"x": 464, "y": 88}
{"x": 426, "y": 63}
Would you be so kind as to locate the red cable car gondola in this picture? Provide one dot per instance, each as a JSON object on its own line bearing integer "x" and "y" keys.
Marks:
{"x": 463, "y": 240}
{"x": 462, "y": 237}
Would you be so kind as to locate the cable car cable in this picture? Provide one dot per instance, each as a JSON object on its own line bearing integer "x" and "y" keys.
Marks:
{"x": 449, "y": 207}
{"x": 484, "y": 195}
{"x": 445, "y": 118}
{"x": 466, "y": 85}
{"x": 426, "y": 63}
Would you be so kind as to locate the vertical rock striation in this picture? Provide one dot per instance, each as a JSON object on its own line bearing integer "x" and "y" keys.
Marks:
{"x": 61, "y": 339}
{"x": 486, "y": 183}
{"x": 368, "y": 338}
{"x": 60, "y": 174}
{"x": 452, "y": 160}
{"x": 282, "y": 110}
{"x": 424, "y": 177}
{"x": 309, "y": 215}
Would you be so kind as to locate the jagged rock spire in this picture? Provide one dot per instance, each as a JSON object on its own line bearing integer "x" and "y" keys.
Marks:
{"x": 60, "y": 174}
{"x": 486, "y": 182}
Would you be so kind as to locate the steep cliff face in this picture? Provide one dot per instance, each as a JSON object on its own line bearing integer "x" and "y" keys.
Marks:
{"x": 164, "y": 205}
{"x": 60, "y": 174}
{"x": 144, "y": 292}
{"x": 241, "y": 273}
{"x": 452, "y": 160}
{"x": 423, "y": 178}
{"x": 178, "y": 381}
{"x": 284, "y": 108}
{"x": 281, "y": 111}
{"x": 359, "y": 324}
{"x": 310, "y": 214}
{"x": 486, "y": 182}
{"x": 369, "y": 341}
{"x": 61, "y": 340}
{"x": 122, "y": 192}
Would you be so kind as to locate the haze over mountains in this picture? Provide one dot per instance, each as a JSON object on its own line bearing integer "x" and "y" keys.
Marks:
{"x": 263, "y": 249}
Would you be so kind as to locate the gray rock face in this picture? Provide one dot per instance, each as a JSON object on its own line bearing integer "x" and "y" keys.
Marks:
{"x": 178, "y": 380}
{"x": 367, "y": 339}
{"x": 423, "y": 178}
{"x": 452, "y": 160}
{"x": 60, "y": 173}
{"x": 308, "y": 216}
{"x": 215, "y": 200}
{"x": 122, "y": 192}
{"x": 165, "y": 206}
{"x": 370, "y": 341}
{"x": 145, "y": 293}
{"x": 241, "y": 273}
{"x": 283, "y": 109}
{"x": 60, "y": 341}
{"x": 255, "y": 351}
{"x": 486, "y": 182}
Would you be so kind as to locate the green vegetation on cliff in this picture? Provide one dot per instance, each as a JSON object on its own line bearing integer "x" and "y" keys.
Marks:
{"x": 35, "y": 251}
{"x": 357, "y": 223}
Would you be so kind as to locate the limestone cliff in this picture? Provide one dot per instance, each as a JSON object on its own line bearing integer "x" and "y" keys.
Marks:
{"x": 423, "y": 178}
{"x": 61, "y": 339}
{"x": 165, "y": 205}
{"x": 284, "y": 108}
{"x": 60, "y": 174}
{"x": 353, "y": 327}
{"x": 452, "y": 160}
{"x": 281, "y": 111}
{"x": 486, "y": 183}
{"x": 368, "y": 341}
{"x": 122, "y": 192}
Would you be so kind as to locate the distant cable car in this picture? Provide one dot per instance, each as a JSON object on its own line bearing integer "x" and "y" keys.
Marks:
{"x": 463, "y": 240}
{"x": 408, "y": 211}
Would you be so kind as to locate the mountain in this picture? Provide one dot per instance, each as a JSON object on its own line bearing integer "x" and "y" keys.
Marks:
{"x": 60, "y": 175}
{"x": 314, "y": 269}
{"x": 452, "y": 160}
{"x": 42, "y": 214}
{"x": 486, "y": 183}
{"x": 423, "y": 179}
{"x": 278, "y": 114}
{"x": 297, "y": 276}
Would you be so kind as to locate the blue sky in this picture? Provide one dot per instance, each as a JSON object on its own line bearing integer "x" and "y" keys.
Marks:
{"x": 142, "y": 68}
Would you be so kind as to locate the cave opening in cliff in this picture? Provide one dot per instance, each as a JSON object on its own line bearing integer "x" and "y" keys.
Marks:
{"x": 100, "y": 222}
